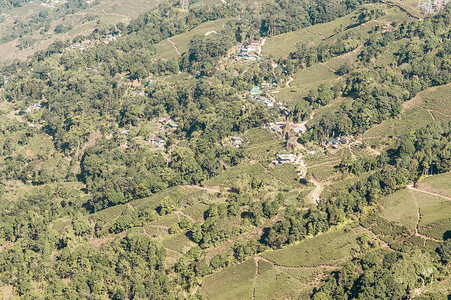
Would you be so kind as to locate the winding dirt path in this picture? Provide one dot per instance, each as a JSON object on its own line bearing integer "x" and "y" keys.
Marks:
{"x": 431, "y": 114}
{"x": 302, "y": 168}
{"x": 199, "y": 284}
{"x": 303, "y": 124}
{"x": 175, "y": 46}
{"x": 329, "y": 67}
{"x": 260, "y": 47}
{"x": 411, "y": 187}
{"x": 159, "y": 226}
{"x": 317, "y": 34}
{"x": 116, "y": 14}
{"x": 317, "y": 192}
{"x": 178, "y": 213}
{"x": 321, "y": 266}
{"x": 430, "y": 110}
{"x": 382, "y": 243}
{"x": 289, "y": 81}
{"x": 418, "y": 210}
{"x": 326, "y": 163}
{"x": 208, "y": 189}
{"x": 389, "y": 3}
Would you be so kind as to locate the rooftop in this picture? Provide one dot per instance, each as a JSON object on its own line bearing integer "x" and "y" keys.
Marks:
{"x": 286, "y": 156}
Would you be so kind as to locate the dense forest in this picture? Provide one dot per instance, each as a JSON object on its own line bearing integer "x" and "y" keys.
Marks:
{"x": 91, "y": 117}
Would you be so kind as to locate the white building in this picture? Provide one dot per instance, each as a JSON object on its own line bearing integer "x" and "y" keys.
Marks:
{"x": 285, "y": 158}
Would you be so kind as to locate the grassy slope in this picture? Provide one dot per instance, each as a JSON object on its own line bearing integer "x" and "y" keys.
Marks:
{"x": 439, "y": 184}
{"x": 417, "y": 113}
{"x": 272, "y": 281}
{"x": 283, "y": 283}
{"x": 107, "y": 12}
{"x": 166, "y": 49}
{"x": 290, "y": 273}
{"x": 326, "y": 249}
{"x": 280, "y": 46}
{"x": 401, "y": 207}
{"x": 413, "y": 208}
{"x": 306, "y": 80}
{"x": 267, "y": 280}
{"x": 232, "y": 283}
{"x": 318, "y": 74}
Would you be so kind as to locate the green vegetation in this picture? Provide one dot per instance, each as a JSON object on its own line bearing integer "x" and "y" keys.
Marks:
{"x": 390, "y": 52}
{"x": 306, "y": 80}
{"x": 280, "y": 46}
{"x": 419, "y": 112}
{"x": 326, "y": 30}
{"x": 179, "y": 243}
{"x": 326, "y": 249}
{"x": 137, "y": 161}
{"x": 276, "y": 284}
{"x": 232, "y": 283}
{"x": 268, "y": 282}
{"x": 182, "y": 41}
{"x": 322, "y": 173}
{"x": 33, "y": 27}
{"x": 412, "y": 208}
{"x": 413, "y": 119}
{"x": 435, "y": 219}
{"x": 438, "y": 99}
{"x": 401, "y": 207}
{"x": 438, "y": 184}
{"x": 240, "y": 172}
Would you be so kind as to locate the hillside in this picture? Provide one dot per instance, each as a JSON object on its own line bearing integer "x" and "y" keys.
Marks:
{"x": 35, "y": 25}
{"x": 234, "y": 150}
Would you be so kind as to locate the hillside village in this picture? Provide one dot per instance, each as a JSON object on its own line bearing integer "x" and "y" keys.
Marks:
{"x": 230, "y": 150}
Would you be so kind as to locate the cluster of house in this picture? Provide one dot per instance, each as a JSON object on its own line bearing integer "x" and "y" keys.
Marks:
{"x": 5, "y": 81}
{"x": 138, "y": 93}
{"x": 278, "y": 127}
{"x": 335, "y": 143}
{"x": 255, "y": 91}
{"x": 284, "y": 159}
{"x": 123, "y": 132}
{"x": 168, "y": 123}
{"x": 237, "y": 141}
{"x": 159, "y": 142}
{"x": 88, "y": 43}
{"x": 266, "y": 99}
{"x": 83, "y": 45}
{"x": 77, "y": 46}
{"x": 269, "y": 86}
{"x": 149, "y": 82}
{"x": 282, "y": 110}
{"x": 247, "y": 52}
{"x": 33, "y": 107}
